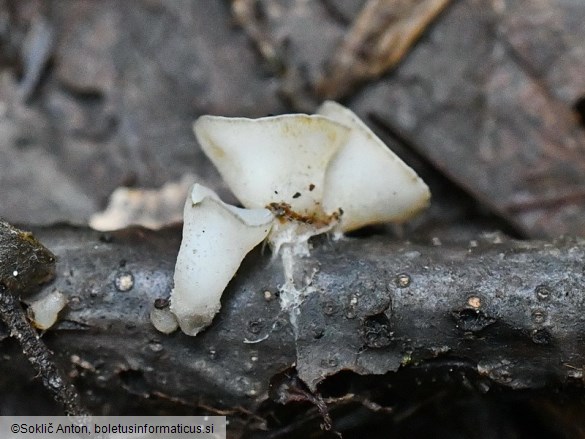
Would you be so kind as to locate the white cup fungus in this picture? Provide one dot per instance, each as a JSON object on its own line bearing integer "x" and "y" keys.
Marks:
{"x": 298, "y": 176}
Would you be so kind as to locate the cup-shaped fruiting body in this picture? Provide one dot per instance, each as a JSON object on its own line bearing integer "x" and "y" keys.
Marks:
{"x": 278, "y": 159}
{"x": 328, "y": 169}
{"x": 216, "y": 238}
{"x": 43, "y": 312}
{"x": 315, "y": 173}
{"x": 367, "y": 180}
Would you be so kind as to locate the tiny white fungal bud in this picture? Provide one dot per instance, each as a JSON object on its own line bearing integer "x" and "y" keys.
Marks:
{"x": 163, "y": 320}
{"x": 44, "y": 311}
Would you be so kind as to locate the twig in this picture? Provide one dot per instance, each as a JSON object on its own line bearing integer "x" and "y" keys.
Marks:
{"x": 38, "y": 355}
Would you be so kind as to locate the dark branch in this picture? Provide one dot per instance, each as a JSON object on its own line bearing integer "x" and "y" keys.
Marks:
{"x": 512, "y": 311}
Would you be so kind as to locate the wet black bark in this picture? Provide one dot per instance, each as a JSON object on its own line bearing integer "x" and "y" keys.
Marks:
{"x": 510, "y": 311}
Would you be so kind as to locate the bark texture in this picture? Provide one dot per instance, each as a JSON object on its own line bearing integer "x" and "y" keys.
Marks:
{"x": 512, "y": 311}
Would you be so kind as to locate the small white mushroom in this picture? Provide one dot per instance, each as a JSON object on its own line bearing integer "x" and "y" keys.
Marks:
{"x": 44, "y": 311}
{"x": 163, "y": 320}
{"x": 216, "y": 238}
{"x": 318, "y": 164}
{"x": 367, "y": 180}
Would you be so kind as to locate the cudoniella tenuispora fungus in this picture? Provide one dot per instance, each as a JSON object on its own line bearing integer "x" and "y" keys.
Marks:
{"x": 298, "y": 176}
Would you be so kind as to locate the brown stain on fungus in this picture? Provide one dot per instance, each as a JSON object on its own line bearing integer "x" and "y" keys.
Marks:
{"x": 284, "y": 213}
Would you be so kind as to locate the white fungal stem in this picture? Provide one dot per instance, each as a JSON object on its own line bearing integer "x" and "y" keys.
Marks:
{"x": 289, "y": 239}
{"x": 289, "y": 295}
{"x": 216, "y": 238}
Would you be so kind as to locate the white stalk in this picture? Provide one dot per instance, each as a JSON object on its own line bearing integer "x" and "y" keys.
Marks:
{"x": 216, "y": 238}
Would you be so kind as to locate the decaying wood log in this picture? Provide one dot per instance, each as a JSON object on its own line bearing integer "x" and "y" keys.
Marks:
{"x": 512, "y": 311}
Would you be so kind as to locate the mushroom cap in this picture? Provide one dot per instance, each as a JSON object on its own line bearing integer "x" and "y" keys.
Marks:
{"x": 317, "y": 164}
{"x": 367, "y": 180}
{"x": 278, "y": 159}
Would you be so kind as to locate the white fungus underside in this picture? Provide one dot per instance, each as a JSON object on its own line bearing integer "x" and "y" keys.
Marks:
{"x": 367, "y": 180}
